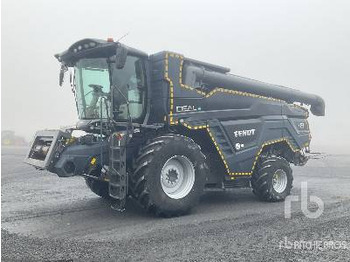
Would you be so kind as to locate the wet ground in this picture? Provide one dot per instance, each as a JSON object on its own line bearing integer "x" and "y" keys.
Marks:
{"x": 47, "y": 218}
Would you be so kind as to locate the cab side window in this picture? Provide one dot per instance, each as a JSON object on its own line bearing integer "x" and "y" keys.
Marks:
{"x": 131, "y": 81}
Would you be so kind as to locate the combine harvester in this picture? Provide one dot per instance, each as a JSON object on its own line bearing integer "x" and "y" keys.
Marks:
{"x": 164, "y": 128}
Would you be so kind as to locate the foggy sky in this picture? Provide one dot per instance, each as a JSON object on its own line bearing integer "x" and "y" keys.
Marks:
{"x": 300, "y": 44}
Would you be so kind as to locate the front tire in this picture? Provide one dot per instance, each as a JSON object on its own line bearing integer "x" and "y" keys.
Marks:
{"x": 100, "y": 188}
{"x": 169, "y": 175}
{"x": 273, "y": 179}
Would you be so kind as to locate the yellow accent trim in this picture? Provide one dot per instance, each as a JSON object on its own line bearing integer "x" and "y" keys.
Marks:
{"x": 206, "y": 95}
{"x": 93, "y": 161}
{"x": 219, "y": 89}
{"x": 239, "y": 93}
{"x": 270, "y": 142}
{"x": 166, "y": 76}
{"x": 211, "y": 93}
{"x": 194, "y": 127}
{"x": 219, "y": 151}
{"x": 173, "y": 121}
{"x": 256, "y": 157}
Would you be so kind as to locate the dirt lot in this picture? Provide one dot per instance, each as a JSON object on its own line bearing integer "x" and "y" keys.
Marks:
{"x": 47, "y": 218}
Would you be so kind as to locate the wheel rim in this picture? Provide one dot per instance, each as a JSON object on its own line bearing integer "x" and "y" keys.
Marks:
{"x": 279, "y": 181}
{"x": 177, "y": 177}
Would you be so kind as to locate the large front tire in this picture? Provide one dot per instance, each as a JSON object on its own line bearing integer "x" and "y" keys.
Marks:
{"x": 169, "y": 175}
{"x": 273, "y": 179}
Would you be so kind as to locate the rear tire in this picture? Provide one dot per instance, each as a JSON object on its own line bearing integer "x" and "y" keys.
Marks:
{"x": 272, "y": 180}
{"x": 169, "y": 175}
{"x": 100, "y": 188}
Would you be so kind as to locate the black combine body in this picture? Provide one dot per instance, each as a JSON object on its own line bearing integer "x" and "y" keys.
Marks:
{"x": 165, "y": 128}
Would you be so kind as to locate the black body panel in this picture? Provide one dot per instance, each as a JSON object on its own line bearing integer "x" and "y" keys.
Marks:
{"x": 75, "y": 159}
{"x": 222, "y": 112}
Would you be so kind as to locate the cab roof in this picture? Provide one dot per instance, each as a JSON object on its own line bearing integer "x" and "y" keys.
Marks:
{"x": 93, "y": 48}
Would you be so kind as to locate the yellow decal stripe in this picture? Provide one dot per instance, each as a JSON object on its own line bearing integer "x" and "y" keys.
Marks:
{"x": 270, "y": 142}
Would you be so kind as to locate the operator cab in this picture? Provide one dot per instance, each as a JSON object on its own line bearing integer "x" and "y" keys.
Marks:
{"x": 108, "y": 80}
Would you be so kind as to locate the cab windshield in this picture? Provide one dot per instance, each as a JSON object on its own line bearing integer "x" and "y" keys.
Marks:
{"x": 92, "y": 82}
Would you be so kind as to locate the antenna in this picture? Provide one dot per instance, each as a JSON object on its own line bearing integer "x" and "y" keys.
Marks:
{"x": 123, "y": 37}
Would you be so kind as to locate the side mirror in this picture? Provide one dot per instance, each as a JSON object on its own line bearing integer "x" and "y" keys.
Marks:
{"x": 121, "y": 54}
{"x": 62, "y": 72}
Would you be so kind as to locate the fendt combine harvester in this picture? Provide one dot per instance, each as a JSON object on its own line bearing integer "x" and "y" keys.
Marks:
{"x": 165, "y": 128}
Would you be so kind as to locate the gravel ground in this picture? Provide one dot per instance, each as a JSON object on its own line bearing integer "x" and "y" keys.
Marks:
{"x": 46, "y": 218}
